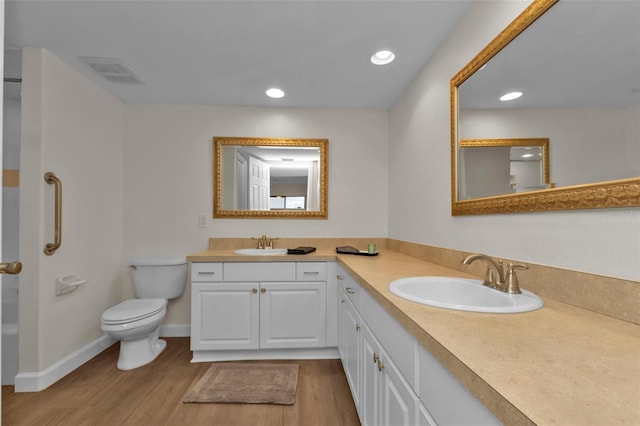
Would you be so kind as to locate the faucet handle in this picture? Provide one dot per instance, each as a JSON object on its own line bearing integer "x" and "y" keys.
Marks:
{"x": 512, "y": 285}
{"x": 270, "y": 242}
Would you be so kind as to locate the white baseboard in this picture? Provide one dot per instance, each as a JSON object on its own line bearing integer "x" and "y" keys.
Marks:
{"x": 175, "y": 330}
{"x": 37, "y": 381}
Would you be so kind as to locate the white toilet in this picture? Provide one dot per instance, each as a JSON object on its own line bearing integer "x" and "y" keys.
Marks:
{"x": 136, "y": 322}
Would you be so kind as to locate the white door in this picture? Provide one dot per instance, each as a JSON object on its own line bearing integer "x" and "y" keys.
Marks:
{"x": 352, "y": 329}
{"x": 1, "y": 147}
{"x": 292, "y": 315}
{"x": 226, "y": 316}
{"x": 370, "y": 399}
{"x": 397, "y": 400}
{"x": 259, "y": 184}
{"x": 242, "y": 186}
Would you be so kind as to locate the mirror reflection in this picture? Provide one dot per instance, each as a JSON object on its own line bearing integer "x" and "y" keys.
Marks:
{"x": 260, "y": 177}
{"x": 576, "y": 66}
{"x": 502, "y": 166}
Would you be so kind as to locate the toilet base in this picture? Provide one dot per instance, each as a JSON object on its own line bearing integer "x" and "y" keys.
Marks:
{"x": 136, "y": 353}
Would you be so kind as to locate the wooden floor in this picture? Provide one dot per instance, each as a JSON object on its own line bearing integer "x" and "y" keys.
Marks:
{"x": 99, "y": 394}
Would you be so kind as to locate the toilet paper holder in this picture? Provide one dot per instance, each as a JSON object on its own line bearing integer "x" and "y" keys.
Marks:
{"x": 68, "y": 283}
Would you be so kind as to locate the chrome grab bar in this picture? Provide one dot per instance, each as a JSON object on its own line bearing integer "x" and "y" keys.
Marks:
{"x": 51, "y": 248}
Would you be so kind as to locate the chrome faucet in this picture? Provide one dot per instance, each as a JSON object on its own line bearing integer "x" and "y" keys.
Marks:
{"x": 497, "y": 280}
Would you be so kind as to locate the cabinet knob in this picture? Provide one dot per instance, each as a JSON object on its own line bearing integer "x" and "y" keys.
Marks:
{"x": 254, "y": 290}
{"x": 263, "y": 290}
{"x": 375, "y": 358}
{"x": 358, "y": 328}
{"x": 342, "y": 301}
{"x": 380, "y": 366}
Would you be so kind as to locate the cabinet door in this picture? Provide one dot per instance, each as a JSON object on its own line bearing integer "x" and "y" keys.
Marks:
{"x": 349, "y": 336}
{"x": 387, "y": 399}
{"x": 342, "y": 321}
{"x": 292, "y": 315}
{"x": 224, "y": 316}
{"x": 371, "y": 376}
{"x": 398, "y": 402}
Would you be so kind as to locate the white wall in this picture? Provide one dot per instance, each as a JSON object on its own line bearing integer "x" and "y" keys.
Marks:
{"x": 585, "y": 145}
{"x": 605, "y": 241}
{"x": 486, "y": 172}
{"x": 168, "y": 176}
{"x": 73, "y": 128}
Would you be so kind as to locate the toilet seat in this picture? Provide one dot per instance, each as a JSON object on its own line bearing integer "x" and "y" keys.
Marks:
{"x": 133, "y": 310}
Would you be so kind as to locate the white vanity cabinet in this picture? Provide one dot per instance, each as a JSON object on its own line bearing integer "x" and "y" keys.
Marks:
{"x": 393, "y": 379}
{"x": 259, "y": 306}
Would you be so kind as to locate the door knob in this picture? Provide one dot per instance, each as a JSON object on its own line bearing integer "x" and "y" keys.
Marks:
{"x": 11, "y": 268}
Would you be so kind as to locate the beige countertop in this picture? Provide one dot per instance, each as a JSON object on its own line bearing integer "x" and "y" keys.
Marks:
{"x": 560, "y": 365}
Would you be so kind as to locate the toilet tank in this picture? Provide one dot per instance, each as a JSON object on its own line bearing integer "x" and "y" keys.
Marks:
{"x": 159, "y": 278}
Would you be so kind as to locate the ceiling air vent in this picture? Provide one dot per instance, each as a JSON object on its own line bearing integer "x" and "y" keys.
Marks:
{"x": 111, "y": 69}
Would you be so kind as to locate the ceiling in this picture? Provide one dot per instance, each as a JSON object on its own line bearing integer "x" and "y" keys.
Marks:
{"x": 230, "y": 52}
{"x": 580, "y": 54}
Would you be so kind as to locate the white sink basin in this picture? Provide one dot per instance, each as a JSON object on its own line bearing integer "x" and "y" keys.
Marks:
{"x": 463, "y": 295}
{"x": 261, "y": 252}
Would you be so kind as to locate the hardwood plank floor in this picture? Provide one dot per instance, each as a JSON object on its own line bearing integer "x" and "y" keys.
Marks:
{"x": 99, "y": 394}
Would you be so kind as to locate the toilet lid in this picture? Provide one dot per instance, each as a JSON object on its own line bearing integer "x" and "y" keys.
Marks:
{"x": 132, "y": 310}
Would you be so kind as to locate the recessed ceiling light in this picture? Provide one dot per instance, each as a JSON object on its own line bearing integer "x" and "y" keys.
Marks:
{"x": 383, "y": 57}
{"x": 510, "y": 96}
{"x": 275, "y": 93}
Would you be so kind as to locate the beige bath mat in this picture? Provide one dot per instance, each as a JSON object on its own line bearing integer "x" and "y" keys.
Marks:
{"x": 248, "y": 383}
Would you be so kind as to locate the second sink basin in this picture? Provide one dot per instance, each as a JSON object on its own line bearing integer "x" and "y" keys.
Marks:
{"x": 463, "y": 295}
{"x": 261, "y": 252}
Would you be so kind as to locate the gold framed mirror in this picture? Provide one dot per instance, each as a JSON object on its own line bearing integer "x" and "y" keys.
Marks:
{"x": 270, "y": 178}
{"x": 534, "y": 48}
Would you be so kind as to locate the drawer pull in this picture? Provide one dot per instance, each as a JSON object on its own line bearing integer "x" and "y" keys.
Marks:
{"x": 358, "y": 328}
{"x": 350, "y": 290}
{"x": 340, "y": 277}
{"x": 206, "y": 273}
{"x": 380, "y": 365}
{"x": 311, "y": 273}
{"x": 342, "y": 301}
{"x": 375, "y": 358}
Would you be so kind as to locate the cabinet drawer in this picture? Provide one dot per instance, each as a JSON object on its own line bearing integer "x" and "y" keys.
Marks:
{"x": 259, "y": 271}
{"x": 206, "y": 272}
{"x": 349, "y": 286}
{"x": 311, "y": 271}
